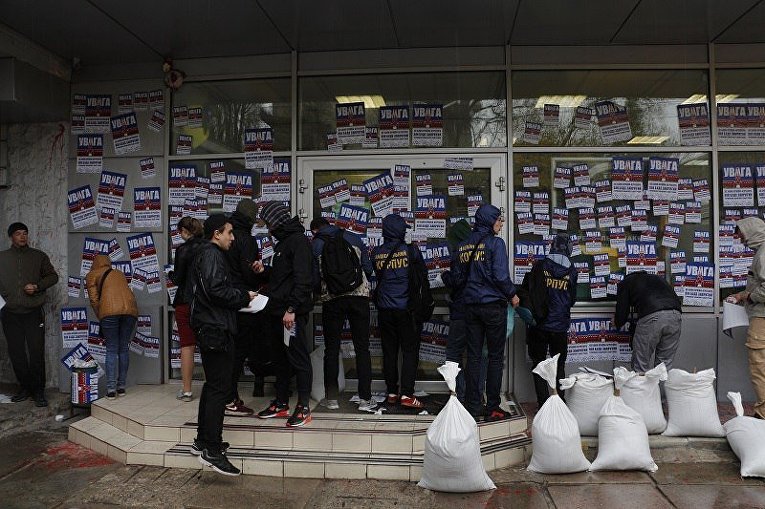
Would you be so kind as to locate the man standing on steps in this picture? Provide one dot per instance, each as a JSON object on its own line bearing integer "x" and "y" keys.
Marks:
{"x": 25, "y": 274}
{"x": 213, "y": 318}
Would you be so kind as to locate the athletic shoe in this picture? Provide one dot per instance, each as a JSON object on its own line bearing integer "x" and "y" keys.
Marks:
{"x": 300, "y": 417}
{"x": 219, "y": 462}
{"x": 20, "y": 396}
{"x": 497, "y": 415}
{"x": 237, "y": 409}
{"x": 275, "y": 409}
{"x": 111, "y": 395}
{"x": 392, "y": 399}
{"x": 411, "y": 402}
{"x": 196, "y": 447}
{"x": 121, "y": 392}
{"x": 185, "y": 396}
{"x": 367, "y": 405}
{"x": 330, "y": 404}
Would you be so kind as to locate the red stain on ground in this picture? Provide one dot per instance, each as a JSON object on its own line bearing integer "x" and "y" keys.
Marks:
{"x": 68, "y": 455}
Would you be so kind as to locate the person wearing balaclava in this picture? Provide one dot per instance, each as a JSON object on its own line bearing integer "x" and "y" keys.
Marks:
{"x": 752, "y": 231}
{"x": 551, "y": 287}
{"x": 483, "y": 271}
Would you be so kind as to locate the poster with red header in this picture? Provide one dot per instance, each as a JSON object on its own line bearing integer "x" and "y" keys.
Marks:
{"x": 393, "y": 128}
{"x": 350, "y": 121}
{"x": 427, "y": 125}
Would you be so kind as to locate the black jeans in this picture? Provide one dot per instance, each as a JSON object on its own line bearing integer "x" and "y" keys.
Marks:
{"x": 538, "y": 342}
{"x": 25, "y": 333}
{"x": 398, "y": 330}
{"x": 249, "y": 326}
{"x": 334, "y": 313}
{"x": 292, "y": 359}
{"x": 216, "y": 393}
{"x": 489, "y": 322}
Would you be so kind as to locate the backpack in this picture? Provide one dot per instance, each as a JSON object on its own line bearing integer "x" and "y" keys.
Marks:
{"x": 533, "y": 293}
{"x": 421, "y": 303}
{"x": 340, "y": 265}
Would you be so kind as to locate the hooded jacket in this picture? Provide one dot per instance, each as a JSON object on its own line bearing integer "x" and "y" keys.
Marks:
{"x": 20, "y": 266}
{"x": 116, "y": 298}
{"x": 459, "y": 232}
{"x": 290, "y": 278}
{"x": 488, "y": 278}
{"x": 243, "y": 251}
{"x": 646, "y": 293}
{"x": 181, "y": 274}
{"x": 215, "y": 300}
{"x": 753, "y": 230}
{"x": 317, "y": 247}
{"x": 393, "y": 278}
{"x": 555, "y": 285}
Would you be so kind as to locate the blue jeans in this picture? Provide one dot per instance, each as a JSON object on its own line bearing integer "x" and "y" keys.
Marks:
{"x": 455, "y": 349}
{"x": 117, "y": 331}
{"x": 485, "y": 322}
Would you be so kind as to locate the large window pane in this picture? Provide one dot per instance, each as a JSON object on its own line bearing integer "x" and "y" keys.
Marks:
{"x": 741, "y": 106}
{"x": 651, "y": 100}
{"x": 474, "y": 105}
{"x": 227, "y": 109}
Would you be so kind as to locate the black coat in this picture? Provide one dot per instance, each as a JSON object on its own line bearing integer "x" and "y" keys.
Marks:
{"x": 242, "y": 253}
{"x": 215, "y": 300}
{"x": 646, "y": 293}
{"x": 290, "y": 277}
{"x": 181, "y": 275}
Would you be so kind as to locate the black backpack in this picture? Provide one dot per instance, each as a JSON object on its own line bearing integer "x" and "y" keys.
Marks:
{"x": 421, "y": 303}
{"x": 340, "y": 265}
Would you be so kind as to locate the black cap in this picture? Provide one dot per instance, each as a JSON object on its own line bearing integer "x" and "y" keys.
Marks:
{"x": 16, "y": 227}
{"x": 214, "y": 223}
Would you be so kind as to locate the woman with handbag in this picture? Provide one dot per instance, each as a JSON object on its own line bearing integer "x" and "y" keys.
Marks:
{"x": 115, "y": 306}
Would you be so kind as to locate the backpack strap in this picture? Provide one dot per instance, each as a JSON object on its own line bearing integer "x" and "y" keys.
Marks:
{"x": 101, "y": 283}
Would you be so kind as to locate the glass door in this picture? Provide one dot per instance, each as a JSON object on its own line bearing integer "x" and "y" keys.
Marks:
{"x": 356, "y": 192}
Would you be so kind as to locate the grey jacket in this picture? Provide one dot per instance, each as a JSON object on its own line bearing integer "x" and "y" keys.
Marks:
{"x": 753, "y": 230}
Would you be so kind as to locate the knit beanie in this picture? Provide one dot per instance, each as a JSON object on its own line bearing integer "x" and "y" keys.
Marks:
{"x": 458, "y": 232}
{"x": 275, "y": 214}
{"x": 214, "y": 223}
{"x": 16, "y": 227}
{"x": 248, "y": 209}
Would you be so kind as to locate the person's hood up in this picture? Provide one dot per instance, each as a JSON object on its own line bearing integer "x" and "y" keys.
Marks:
{"x": 328, "y": 230}
{"x": 562, "y": 244}
{"x": 101, "y": 261}
{"x": 485, "y": 218}
{"x": 561, "y": 261}
{"x": 289, "y": 228}
{"x": 457, "y": 233}
{"x": 394, "y": 227}
{"x": 753, "y": 230}
{"x": 240, "y": 221}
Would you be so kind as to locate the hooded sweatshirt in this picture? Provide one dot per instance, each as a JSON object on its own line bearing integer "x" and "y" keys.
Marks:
{"x": 243, "y": 251}
{"x": 753, "y": 231}
{"x": 487, "y": 280}
{"x": 290, "y": 278}
{"x": 393, "y": 277}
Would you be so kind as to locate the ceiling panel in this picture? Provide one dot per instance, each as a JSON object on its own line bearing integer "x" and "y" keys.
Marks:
{"x": 333, "y": 26}
{"x": 681, "y": 21}
{"x": 555, "y": 22}
{"x": 199, "y": 28}
{"x": 78, "y": 30}
{"x": 433, "y": 23}
{"x": 749, "y": 29}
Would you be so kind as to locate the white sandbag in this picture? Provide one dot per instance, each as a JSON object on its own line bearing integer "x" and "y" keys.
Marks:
{"x": 642, "y": 394}
{"x": 746, "y": 436}
{"x": 692, "y": 404}
{"x": 586, "y": 393}
{"x": 555, "y": 433}
{"x": 317, "y": 366}
{"x": 622, "y": 438}
{"x": 452, "y": 460}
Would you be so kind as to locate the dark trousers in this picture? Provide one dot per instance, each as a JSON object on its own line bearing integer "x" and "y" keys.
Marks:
{"x": 216, "y": 393}
{"x": 539, "y": 341}
{"x": 485, "y": 322}
{"x": 292, "y": 359}
{"x": 25, "y": 333}
{"x": 250, "y": 328}
{"x": 399, "y": 331}
{"x": 334, "y": 313}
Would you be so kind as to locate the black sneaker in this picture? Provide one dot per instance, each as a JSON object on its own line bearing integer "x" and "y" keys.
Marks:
{"x": 111, "y": 395}
{"x": 275, "y": 409}
{"x": 219, "y": 462}
{"x": 196, "y": 447}
{"x": 300, "y": 417}
{"x": 40, "y": 400}
{"x": 121, "y": 392}
{"x": 20, "y": 396}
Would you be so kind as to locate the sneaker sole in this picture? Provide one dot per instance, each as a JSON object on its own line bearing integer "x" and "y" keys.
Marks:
{"x": 237, "y": 414}
{"x": 284, "y": 414}
{"x": 302, "y": 423}
{"x": 195, "y": 452}
{"x": 208, "y": 464}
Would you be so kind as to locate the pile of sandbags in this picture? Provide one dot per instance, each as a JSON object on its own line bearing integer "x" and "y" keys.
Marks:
{"x": 692, "y": 404}
{"x": 452, "y": 460}
{"x": 643, "y": 394}
{"x": 586, "y": 393}
{"x": 555, "y": 432}
{"x": 746, "y": 436}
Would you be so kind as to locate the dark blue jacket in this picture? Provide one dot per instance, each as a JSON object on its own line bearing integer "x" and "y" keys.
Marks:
{"x": 489, "y": 277}
{"x": 393, "y": 282}
{"x": 560, "y": 283}
{"x": 317, "y": 246}
{"x": 457, "y": 299}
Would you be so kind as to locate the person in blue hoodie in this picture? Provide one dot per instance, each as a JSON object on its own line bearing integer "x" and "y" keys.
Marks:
{"x": 398, "y": 328}
{"x": 551, "y": 283}
{"x": 482, "y": 268}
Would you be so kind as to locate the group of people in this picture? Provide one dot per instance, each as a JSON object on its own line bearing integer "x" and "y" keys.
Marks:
{"x": 219, "y": 270}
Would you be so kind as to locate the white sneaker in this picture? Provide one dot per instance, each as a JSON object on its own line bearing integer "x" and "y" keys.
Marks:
{"x": 184, "y": 396}
{"x": 330, "y": 404}
{"x": 367, "y": 405}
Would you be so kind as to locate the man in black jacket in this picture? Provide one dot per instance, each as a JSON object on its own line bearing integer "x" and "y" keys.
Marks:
{"x": 249, "y": 337}
{"x": 213, "y": 318}
{"x": 290, "y": 279}
{"x": 657, "y": 309}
